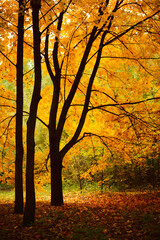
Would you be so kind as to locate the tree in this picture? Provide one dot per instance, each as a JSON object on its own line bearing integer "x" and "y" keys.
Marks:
{"x": 29, "y": 214}
{"x": 19, "y": 113}
{"x": 89, "y": 41}
{"x": 102, "y": 33}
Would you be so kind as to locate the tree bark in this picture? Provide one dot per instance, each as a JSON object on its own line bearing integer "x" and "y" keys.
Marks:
{"x": 55, "y": 156}
{"x": 18, "y": 208}
{"x": 29, "y": 214}
{"x": 56, "y": 178}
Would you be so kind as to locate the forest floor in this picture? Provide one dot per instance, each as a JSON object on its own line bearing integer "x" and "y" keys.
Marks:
{"x": 87, "y": 216}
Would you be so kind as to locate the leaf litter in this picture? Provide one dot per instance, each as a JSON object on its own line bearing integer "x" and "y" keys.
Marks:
{"x": 88, "y": 216}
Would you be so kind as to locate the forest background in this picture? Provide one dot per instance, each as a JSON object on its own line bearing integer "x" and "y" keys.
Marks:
{"x": 110, "y": 134}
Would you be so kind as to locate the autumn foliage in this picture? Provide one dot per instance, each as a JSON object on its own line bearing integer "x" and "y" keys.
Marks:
{"x": 91, "y": 109}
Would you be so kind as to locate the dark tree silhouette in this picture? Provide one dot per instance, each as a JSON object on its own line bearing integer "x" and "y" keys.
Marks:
{"x": 19, "y": 113}
{"x": 29, "y": 214}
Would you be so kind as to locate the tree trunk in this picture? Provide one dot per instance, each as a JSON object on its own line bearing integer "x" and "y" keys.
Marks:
{"x": 102, "y": 183}
{"x": 80, "y": 182}
{"x": 29, "y": 214}
{"x": 56, "y": 178}
{"x": 18, "y": 208}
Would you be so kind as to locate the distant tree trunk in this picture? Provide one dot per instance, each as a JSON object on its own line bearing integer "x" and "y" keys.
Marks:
{"x": 102, "y": 183}
{"x": 29, "y": 214}
{"x": 80, "y": 182}
{"x": 18, "y": 208}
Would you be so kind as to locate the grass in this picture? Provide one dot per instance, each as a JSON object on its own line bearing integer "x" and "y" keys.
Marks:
{"x": 87, "y": 215}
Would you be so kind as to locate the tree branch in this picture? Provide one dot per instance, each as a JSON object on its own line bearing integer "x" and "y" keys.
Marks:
{"x": 122, "y": 104}
{"x": 124, "y": 32}
{"x": 8, "y": 59}
{"x": 8, "y": 106}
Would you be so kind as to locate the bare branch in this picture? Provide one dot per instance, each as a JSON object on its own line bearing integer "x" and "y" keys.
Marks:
{"x": 8, "y": 106}
{"x": 10, "y": 99}
{"x": 122, "y": 104}
{"x": 130, "y": 58}
{"x": 123, "y": 33}
{"x": 8, "y": 21}
{"x": 8, "y": 58}
{"x": 6, "y": 129}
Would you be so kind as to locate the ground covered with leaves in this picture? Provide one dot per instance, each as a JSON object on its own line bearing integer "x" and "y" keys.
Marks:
{"x": 88, "y": 216}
